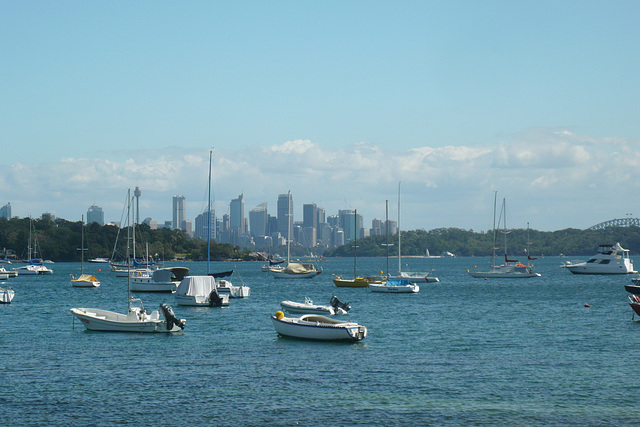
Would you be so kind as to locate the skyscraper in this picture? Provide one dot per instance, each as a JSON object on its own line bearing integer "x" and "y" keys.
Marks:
{"x": 178, "y": 211}
{"x": 5, "y": 211}
{"x": 285, "y": 210}
{"x": 202, "y": 225}
{"x": 258, "y": 218}
{"x": 236, "y": 211}
{"x": 95, "y": 214}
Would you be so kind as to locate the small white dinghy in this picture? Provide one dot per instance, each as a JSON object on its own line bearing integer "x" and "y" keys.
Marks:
{"x": 395, "y": 286}
{"x": 308, "y": 307}
{"x": 6, "y": 295}
{"x": 317, "y": 327}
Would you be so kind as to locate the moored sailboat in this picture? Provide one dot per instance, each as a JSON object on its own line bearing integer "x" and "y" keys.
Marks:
{"x": 511, "y": 269}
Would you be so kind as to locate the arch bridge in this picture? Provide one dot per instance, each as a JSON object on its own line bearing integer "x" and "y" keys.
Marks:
{"x": 621, "y": 222}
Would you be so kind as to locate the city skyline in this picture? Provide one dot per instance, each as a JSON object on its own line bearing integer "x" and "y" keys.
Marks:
{"x": 337, "y": 102}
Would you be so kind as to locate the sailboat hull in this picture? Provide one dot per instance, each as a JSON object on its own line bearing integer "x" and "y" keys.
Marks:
{"x": 505, "y": 272}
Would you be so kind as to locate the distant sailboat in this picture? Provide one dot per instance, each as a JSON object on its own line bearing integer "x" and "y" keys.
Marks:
{"x": 293, "y": 270}
{"x": 511, "y": 269}
{"x": 412, "y": 276}
{"x": 356, "y": 282}
{"x": 85, "y": 280}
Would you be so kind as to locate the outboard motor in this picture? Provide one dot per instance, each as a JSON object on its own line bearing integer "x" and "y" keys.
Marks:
{"x": 336, "y": 303}
{"x": 171, "y": 318}
{"x": 215, "y": 300}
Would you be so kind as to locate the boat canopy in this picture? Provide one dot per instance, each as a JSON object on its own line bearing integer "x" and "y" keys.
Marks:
{"x": 86, "y": 278}
{"x": 221, "y": 274}
{"x": 398, "y": 282}
{"x": 196, "y": 285}
{"x": 173, "y": 274}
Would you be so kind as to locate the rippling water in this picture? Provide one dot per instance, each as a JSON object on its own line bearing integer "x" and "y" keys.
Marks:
{"x": 461, "y": 351}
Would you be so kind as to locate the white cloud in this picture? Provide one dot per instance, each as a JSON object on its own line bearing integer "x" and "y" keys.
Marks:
{"x": 561, "y": 178}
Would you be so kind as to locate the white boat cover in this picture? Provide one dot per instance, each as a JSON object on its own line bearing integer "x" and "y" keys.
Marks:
{"x": 196, "y": 285}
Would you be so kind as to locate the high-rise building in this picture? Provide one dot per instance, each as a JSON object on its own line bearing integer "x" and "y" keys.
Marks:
{"x": 376, "y": 227}
{"x": 310, "y": 215}
{"x": 285, "y": 213}
{"x": 178, "y": 211}
{"x": 258, "y": 220}
{"x": 202, "y": 225}
{"x": 5, "y": 211}
{"x": 236, "y": 211}
{"x": 95, "y": 214}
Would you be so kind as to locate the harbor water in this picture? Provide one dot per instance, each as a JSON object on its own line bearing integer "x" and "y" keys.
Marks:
{"x": 461, "y": 351}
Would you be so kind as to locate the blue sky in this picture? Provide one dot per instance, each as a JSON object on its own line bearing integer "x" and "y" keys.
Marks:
{"x": 337, "y": 101}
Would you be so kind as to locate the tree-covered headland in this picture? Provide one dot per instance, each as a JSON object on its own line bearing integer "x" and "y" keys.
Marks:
{"x": 59, "y": 240}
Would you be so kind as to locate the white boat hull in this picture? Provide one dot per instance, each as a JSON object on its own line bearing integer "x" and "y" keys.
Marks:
{"x": 584, "y": 268}
{"x": 85, "y": 281}
{"x": 288, "y": 275}
{"x": 505, "y": 272}
{"x": 416, "y": 277}
{"x": 316, "y": 327}
{"x": 144, "y": 284}
{"x": 199, "y": 300}
{"x": 6, "y": 295}
{"x": 395, "y": 289}
{"x": 108, "y": 321}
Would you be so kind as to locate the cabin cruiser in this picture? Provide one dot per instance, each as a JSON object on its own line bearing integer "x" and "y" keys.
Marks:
{"x": 610, "y": 259}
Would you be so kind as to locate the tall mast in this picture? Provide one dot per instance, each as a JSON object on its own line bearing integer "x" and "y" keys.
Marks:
{"x": 289, "y": 214}
{"x": 355, "y": 243}
{"x": 82, "y": 247}
{"x": 209, "y": 219}
{"x": 399, "y": 247}
{"x": 128, "y": 249}
{"x": 386, "y": 238}
{"x": 495, "y": 236}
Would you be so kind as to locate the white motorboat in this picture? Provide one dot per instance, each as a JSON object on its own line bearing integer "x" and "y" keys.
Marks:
{"x": 137, "y": 319}
{"x": 395, "y": 286}
{"x": 160, "y": 280}
{"x": 8, "y": 273}
{"x": 610, "y": 259}
{"x": 317, "y": 327}
{"x": 234, "y": 291}
{"x": 32, "y": 269}
{"x": 6, "y": 295}
{"x": 99, "y": 260}
{"x": 308, "y": 307}
{"x": 511, "y": 269}
{"x": 85, "y": 280}
{"x": 200, "y": 291}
